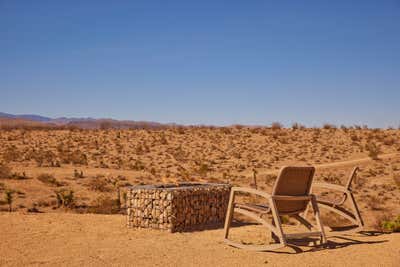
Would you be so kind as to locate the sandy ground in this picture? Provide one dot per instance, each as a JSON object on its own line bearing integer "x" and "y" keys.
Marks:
{"x": 99, "y": 240}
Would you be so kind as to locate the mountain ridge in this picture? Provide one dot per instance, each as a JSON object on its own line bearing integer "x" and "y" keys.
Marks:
{"x": 85, "y": 123}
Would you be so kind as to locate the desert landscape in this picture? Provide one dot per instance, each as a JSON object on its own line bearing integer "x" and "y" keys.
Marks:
{"x": 58, "y": 183}
{"x": 199, "y": 133}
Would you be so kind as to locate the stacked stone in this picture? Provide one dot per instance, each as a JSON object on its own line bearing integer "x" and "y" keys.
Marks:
{"x": 177, "y": 208}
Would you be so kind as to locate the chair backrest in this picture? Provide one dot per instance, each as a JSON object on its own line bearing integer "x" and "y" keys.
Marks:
{"x": 353, "y": 176}
{"x": 293, "y": 181}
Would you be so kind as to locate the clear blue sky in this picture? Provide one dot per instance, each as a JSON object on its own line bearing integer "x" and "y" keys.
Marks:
{"x": 203, "y": 62}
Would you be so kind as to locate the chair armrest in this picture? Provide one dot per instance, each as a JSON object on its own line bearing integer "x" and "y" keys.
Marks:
{"x": 251, "y": 191}
{"x": 331, "y": 187}
{"x": 292, "y": 198}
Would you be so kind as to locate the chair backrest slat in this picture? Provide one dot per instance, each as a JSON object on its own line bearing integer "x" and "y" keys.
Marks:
{"x": 293, "y": 181}
{"x": 352, "y": 177}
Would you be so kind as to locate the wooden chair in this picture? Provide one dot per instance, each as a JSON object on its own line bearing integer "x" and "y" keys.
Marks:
{"x": 352, "y": 214}
{"x": 290, "y": 196}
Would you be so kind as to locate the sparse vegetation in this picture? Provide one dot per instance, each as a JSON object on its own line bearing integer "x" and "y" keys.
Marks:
{"x": 373, "y": 151}
{"x": 276, "y": 126}
{"x": 9, "y": 198}
{"x": 99, "y": 183}
{"x": 49, "y": 179}
{"x": 5, "y": 171}
{"x": 65, "y": 198}
{"x": 105, "y": 205}
{"x": 391, "y": 225}
{"x": 212, "y": 154}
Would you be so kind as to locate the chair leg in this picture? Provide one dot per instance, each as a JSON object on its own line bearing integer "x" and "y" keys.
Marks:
{"x": 277, "y": 222}
{"x": 356, "y": 211}
{"x": 229, "y": 214}
{"x": 318, "y": 219}
{"x": 273, "y": 235}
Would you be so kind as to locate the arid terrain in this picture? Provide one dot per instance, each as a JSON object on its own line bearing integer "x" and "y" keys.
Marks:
{"x": 103, "y": 240}
{"x": 48, "y": 176}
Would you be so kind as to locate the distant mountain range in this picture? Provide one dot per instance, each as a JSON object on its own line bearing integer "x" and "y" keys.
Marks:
{"x": 25, "y": 117}
{"x": 85, "y": 123}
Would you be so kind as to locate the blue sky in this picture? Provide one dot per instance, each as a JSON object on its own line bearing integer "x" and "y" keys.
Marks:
{"x": 203, "y": 62}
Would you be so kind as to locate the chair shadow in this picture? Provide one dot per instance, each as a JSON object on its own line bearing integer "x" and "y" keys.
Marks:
{"x": 295, "y": 244}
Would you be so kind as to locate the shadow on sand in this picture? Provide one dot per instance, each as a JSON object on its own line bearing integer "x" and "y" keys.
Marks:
{"x": 336, "y": 240}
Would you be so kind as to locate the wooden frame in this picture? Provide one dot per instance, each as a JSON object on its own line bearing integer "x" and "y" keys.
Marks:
{"x": 256, "y": 212}
{"x": 353, "y": 214}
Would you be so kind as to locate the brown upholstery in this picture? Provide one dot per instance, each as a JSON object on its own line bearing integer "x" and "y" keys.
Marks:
{"x": 293, "y": 181}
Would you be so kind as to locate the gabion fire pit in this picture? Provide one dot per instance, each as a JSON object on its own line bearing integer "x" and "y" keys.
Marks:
{"x": 177, "y": 207}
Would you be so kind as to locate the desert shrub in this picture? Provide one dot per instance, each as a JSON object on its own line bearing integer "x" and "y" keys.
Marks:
{"x": 226, "y": 130}
{"x": 11, "y": 154}
{"x": 331, "y": 178}
{"x": 375, "y": 203}
{"x": 373, "y": 151}
{"x": 328, "y": 126}
{"x": 137, "y": 166}
{"x": 276, "y": 126}
{"x": 297, "y": 126}
{"x": 391, "y": 225}
{"x": 5, "y": 171}
{"x": 180, "y": 130}
{"x": 77, "y": 158}
{"x": 105, "y": 205}
{"x": 270, "y": 179}
{"x": 78, "y": 174}
{"x": 203, "y": 170}
{"x": 389, "y": 141}
{"x": 99, "y": 183}
{"x": 9, "y": 198}
{"x": 396, "y": 179}
{"x": 163, "y": 139}
{"x": 354, "y": 138}
{"x": 46, "y": 159}
{"x": 254, "y": 184}
{"x": 65, "y": 198}
{"x": 33, "y": 209}
{"x": 49, "y": 179}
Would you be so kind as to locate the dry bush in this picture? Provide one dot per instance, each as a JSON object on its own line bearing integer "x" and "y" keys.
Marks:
{"x": 391, "y": 225}
{"x": 276, "y": 126}
{"x": 5, "y": 171}
{"x": 137, "y": 166}
{"x": 331, "y": 178}
{"x": 78, "y": 174}
{"x": 389, "y": 141}
{"x": 65, "y": 198}
{"x": 328, "y": 126}
{"x": 76, "y": 157}
{"x": 49, "y": 179}
{"x": 9, "y": 198}
{"x": 46, "y": 158}
{"x": 333, "y": 220}
{"x": 375, "y": 203}
{"x": 99, "y": 183}
{"x": 269, "y": 179}
{"x": 373, "y": 151}
{"x": 105, "y": 205}
{"x": 396, "y": 179}
{"x": 203, "y": 170}
{"x": 11, "y": 154}
{"x": 297, "y": 126}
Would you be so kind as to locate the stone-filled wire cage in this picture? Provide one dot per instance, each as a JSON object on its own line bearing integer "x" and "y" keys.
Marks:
{"x": 177, "y": 207}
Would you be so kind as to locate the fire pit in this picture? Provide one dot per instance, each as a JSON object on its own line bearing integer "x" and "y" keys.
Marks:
{"x": 177, "y": 207}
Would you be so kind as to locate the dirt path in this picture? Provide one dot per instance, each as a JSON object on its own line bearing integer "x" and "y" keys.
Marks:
{"x": 344, "y": 163}
{"x": 101, "y": 240}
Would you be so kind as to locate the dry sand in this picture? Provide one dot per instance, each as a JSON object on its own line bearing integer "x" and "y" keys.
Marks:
{"x": 99, "y": 240}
